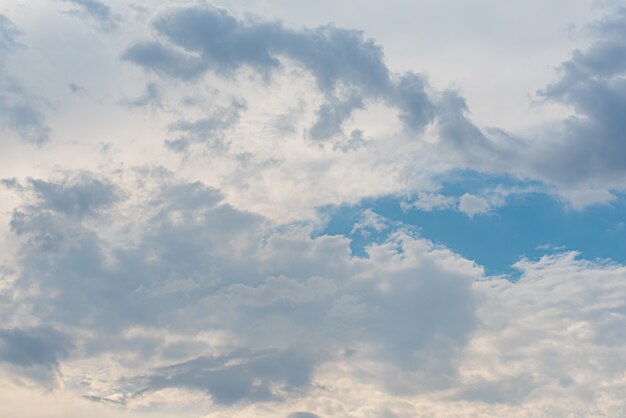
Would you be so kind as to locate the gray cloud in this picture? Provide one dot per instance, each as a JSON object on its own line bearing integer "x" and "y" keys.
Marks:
{"x": 24, "y": 119}
{"x": 591, "y": 143}
{"x": 95, "y": 11}
{"x": 161, "y": 59}
{"x": 34, "y": 353}
{"x": 415, "y": 105}
{"x": 18, "y": 110}
{"x": 239, "y": 376}
{"x": 37, "y": 346}
{"x": 352, "y": 142}
{"x": 302, "y": 415}
{"x": 8, "y": 35}
{"x": 206, "y": 130}
{"x": 211, "y": 39}
{"x": 332, "y": 114}
{"x": 185, "y": 262}
{"x": 76, "y": 196}
{"x": 151, "y": 96}
{"x": 179, "y": 289}
{"x": 511, "y": 390}
{"x": 585, "y": 150}
{"x": 582, "y": 151}
{"x": 76, "y": 88}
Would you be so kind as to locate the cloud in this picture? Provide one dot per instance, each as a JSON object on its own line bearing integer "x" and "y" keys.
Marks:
{"x": 18, "y": 109}
{"x": 195, "y": 296}
{"x": 414, "y": 103}
{"x": 331, "y": 116}
{"x": 35, "y": 352}
{"x": 232, "y": 378}
{"x": 590, "y": 146}
{"x": 22, "y": 117}
{"x": 207, "y": 130}
{"x": 183, "y": 261}
{"x": 434, "y": 201}
{"x": 302, "y": 415}
{"x": 356, "y": 140}
{"x": 8, "y": 35}
{"x": 159, "y": 293}
{"x": 151, "y": 96}
{"x": 473, "y": 205}
{"x": 551, "y": 343}
{"x": 76, "y": 88}
{"x": 33, "y": 346}
{"x": 95, "y": 11}
{"x": 583, "y": 154}
{"x": 201, "y": 38}
{"x": 372, "y": 221}
{"x": 563, "y": 340}
{"x": 77, "y": 196}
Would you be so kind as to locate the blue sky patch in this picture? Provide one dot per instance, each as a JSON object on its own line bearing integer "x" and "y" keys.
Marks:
{"x": 523, "y": 225}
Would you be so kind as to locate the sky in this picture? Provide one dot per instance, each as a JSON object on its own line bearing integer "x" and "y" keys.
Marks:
{"x": 296, "y": 209}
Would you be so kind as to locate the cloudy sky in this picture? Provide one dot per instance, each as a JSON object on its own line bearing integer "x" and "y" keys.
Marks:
{"x": 298, "y": 209}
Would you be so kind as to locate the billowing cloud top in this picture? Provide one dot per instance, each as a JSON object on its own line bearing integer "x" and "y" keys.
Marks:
{"x": 257, "y": 211}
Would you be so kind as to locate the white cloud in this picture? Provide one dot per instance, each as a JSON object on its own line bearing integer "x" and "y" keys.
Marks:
{"x": 434, "y": 201}
{"x": 370, "y": 220}
{"x": 473, "y": 205}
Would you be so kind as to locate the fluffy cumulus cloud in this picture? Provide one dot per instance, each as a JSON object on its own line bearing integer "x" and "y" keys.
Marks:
{"x": 170, "y": 201}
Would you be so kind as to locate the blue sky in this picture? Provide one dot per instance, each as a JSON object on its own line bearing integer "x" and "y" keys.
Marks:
{"x": 524, "y": 225}
{"x": 351, "y": 209}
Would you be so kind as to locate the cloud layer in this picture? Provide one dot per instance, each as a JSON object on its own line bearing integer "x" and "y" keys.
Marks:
{"x": 166, "y": 209}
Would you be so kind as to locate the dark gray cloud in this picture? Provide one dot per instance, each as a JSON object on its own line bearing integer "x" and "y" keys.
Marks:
{"x": 36, "y": 346}
{"x": 211, "y": 39}
{"x": 592, "y": 143}
{"x": 95, "y": 11}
